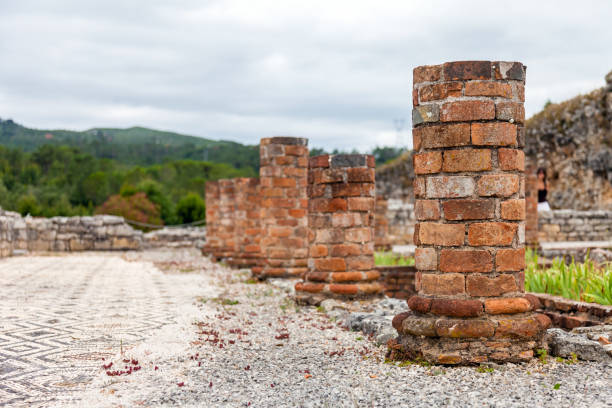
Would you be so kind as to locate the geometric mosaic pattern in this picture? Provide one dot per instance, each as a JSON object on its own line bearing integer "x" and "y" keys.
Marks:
{"x": 60, "y": 315}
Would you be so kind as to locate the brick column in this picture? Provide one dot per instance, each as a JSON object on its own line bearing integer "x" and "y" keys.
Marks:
{"x": 381, "y": 225}
{"x": 225, "y": 225}
{"x": 212, "y": 218}
{"x": 284, "y": 206}
{"x": 247, "y": 230}
{"x": 470, "y": 207}
{"x": 341, "y": 220}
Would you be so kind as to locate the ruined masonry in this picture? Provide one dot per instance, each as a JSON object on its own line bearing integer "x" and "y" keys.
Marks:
{"x": 341, "y": 205}
{"x": 470, "y": 206}
{"x": 213, "y": 241}
{"x": 284, "y": 207}
{"x": 247, "y": 231}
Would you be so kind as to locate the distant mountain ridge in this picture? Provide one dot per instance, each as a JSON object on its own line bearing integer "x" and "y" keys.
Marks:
{"x": 135, "y": 145}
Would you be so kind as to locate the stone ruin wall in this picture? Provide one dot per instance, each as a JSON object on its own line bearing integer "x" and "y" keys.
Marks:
{"x": 571, "y": 225}
{"x": 88, "y": 233}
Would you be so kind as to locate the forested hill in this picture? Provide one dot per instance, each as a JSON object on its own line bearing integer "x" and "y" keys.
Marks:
{"x": 136, "y": 145}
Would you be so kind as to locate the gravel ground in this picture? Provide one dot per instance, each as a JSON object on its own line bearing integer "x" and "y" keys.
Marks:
{"x": 250, "y": 345}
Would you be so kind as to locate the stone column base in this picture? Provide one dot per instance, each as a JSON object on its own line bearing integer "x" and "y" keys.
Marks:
{"x": 467, "y": 341}
{"x": 310, "y": 293}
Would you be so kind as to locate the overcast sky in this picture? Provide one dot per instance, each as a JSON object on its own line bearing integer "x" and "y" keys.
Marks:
{"x": 337, "y": 72}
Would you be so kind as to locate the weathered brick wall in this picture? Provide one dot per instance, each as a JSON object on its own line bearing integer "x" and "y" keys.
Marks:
{"x": 246, "y": 216}
{"x": 100, "y": 232}
{"x": 470, "y": 206}
{"x": 341, "y": 220}
{"x": 225, "y": 221}
{"x": 284, "y": 206}
{"x": 213, "y": 243}
{"x": 397, "y": 281}
{"x": 381, "y": 225}
{"x": 572, "y": 225}
{"x": 531, "y": 206}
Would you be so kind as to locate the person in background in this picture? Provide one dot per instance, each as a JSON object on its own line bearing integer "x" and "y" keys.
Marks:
{"x": 542, "y": 190}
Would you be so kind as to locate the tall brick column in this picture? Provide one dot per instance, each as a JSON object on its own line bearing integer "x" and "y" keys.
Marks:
{"x": 381, "y": 225}
{"x": 470, "y": 207}
{"x": 284, "y": 206}
{"x": 225, "y": 224}
{"x": 341, "y": 221}
{"x": 247, "y": 230}
{"x": 212, "y": 218}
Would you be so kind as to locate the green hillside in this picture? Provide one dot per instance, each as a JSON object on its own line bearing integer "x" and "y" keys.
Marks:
{"x": 136, "y": 145}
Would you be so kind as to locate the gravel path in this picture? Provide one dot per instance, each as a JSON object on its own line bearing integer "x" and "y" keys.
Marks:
{"x": 237, "y": 343}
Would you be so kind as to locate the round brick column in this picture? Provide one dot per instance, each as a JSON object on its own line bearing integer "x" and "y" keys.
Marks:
{"x": 284, "y": 206}
{"x": 247, "y": 230}
{"x": 212, "y": 218}
{"x": 341, "y": 220}
{"x": 225, "y": 217}
{"x": 470, "y": 206}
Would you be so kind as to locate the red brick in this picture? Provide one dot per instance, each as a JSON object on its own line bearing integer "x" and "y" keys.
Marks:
{"x": 319, "y": 161}
{"x": 520, "y": 92}
{"x": 436, "y": 136}
{"x": 511, "y": 159}
{"x": 431, "y": 233}
{"x": 479, "y": 285}
{"x": 427, "y": 163}
{"x": 343, "y": 250}
{"x": 507, "y": 305}
{"x": 297, "y": 212}
{"x": 344, "y": 289}
{"x": 398, "y": 319}
{"x": 510, "y": 259}
{"x": 419, "y": 304}
{"x": 462, "y": 329}
{"x": 427, "y": 210}
{"x": 426, "y": 259}
{"x": 316, "y": 276}
{"x": 491, "y": 233}
{"x": 318, "y": 251}
{"x": 349, "y": 189}
{"x": 330, "y": 264}
{"x": 346, "y": 276}
{"x": 458, "y": 210}
{"x": 457, "y": 307}
{"x": 465, "y": 261}
{"x": 418, "y": 187}
{"x": 509, "y": 70}
{"x": 280, "y": 231}
{"x": 309, "y": 287}
{"x": 466, "y": 70}
{"x": 361, "y": 203}
{"x": 329, "y": 235}
{"x": 302, "y": 162}
{"x": 510, "y": 111}
{"x": 358, "y": 234}
{"x": 415, "y": 97}
{"x": 449, "y": 186}
{"x": 462, "y": 111}
{"x": 295, "y": 150}
{"x": 327, "y": 205}
{"x": 371, "y": 161}
{"x": 500, "y": 185}
{"x": 436, "y": 92}
{"x": 513, "y": 209}
{"x": 361, "y": 263}
{"x": 360, "y": 174}
{"x": 447, "y": 284}
{"x": 344, "y": 219}
{"x": 488, "y": 88}
{"x": 284, "y": 160}
{"x": 467, "y": 160}
{"x": 426, "y": 73}
{"x": 494, "y": 134}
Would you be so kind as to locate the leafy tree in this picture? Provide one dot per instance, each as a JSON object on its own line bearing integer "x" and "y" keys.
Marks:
{"x": 190, "y": 208}
{"x": 136, "y": 207}
{"x": 27, "y": 204}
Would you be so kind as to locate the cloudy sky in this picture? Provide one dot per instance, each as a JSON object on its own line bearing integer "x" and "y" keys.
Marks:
{"x": 337, "y": 72}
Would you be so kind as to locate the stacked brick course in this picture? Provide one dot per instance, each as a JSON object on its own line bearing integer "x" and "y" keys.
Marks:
{"x": 212, "y": 218}
{"x": 381, "y": 225}
{"x": 531, "y": 207}
{"x": 341, "y": 219}
{"x": 284, "y": 206}
{"x": 225, "y": 221}
{"x": 247, "y": 231}
{"x": 470, "y": 190}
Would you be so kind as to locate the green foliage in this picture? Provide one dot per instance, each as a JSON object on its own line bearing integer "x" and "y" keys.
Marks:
{"x": 578, "y": 281}
{"x": 136, "y": 207}
{"x": 392, "y": 259}
{"x": 62, "y": 180}
{"x": 190, "y": 208}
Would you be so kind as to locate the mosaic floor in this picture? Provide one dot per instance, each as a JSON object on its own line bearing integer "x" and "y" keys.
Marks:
{"x": 60, "y": 315}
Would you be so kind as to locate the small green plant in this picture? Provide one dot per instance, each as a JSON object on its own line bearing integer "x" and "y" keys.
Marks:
{"x": 557, "y": 386}
{"x": 392, "y": 259}
{"x": 542, "y": 355}
{"x": 359, "y": 338}
{"x": 251, "y": 281}
{"x": 484, "y": 369}
{"x": 320, "y": 309}
{"x": 229, "y": 302}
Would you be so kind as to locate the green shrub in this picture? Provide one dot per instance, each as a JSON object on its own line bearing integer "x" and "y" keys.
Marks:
{"x": 190, "y": 208}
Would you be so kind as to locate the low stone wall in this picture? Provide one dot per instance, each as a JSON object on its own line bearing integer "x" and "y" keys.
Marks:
{"x": 572, "y": 225}
{"x": 90, "y": 233}
{"x": 397, "y": 281}
{"x": 569, "y": 314}
{"x": 175, "y": 237}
